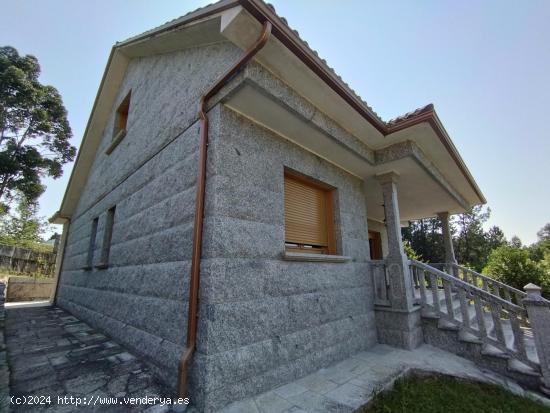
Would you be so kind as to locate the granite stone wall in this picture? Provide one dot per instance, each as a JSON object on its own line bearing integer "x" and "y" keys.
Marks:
{"x": 141, "y": 298}
{"x": 265, "y": 321}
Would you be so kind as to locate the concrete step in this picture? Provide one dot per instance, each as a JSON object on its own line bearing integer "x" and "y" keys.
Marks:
{"x": 489, "y": 324}
{"x": 447, "y": 336}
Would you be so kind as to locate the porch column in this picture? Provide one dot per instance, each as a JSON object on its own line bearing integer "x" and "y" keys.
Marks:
{"x": 396, "y": 262}
{"x": 398, "y": 324}
{"x": 447, "y": 238}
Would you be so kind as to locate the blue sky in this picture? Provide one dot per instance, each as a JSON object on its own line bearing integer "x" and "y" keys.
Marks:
{"x": 484, "y": 64}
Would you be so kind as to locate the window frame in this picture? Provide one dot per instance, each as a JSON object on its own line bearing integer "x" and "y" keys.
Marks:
{"x": 107, "y": 238}
{"x": 91, "y": 245}
{"x": 120, "y": 126}
{"x": 329, "y": 197}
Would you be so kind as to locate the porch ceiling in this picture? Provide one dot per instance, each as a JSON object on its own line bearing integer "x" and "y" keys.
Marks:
{"x": 423, "y": 191}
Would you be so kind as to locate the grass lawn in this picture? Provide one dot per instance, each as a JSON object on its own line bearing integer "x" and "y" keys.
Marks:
{"x": 448, "y": 395}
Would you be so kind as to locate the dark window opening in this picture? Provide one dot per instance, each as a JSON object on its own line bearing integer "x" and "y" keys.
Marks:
{"x": 91, "y": 245}
{"x": 107, "y": 236}
{"x": 121, "y": 119}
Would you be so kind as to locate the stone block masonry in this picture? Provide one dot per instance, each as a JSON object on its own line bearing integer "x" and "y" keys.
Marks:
{"x": 265, "y": 321}
{"x": 141, "y": 298}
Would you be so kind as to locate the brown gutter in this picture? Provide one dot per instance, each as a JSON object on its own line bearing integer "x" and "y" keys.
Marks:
{"x": 262, "y": 12}
{"x": 192, "y": 315}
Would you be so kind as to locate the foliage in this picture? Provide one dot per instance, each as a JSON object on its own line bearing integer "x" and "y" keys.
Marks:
{"x": 544, "y": 233}
{"x": 514, "y": 267}
{"x": 472, "y": 244}
{"x": 411, "y": 253}
{"x": 34, "y": 130}
{"x": 516, "y": 242}
{"x": 23, "y": 227}
{"x": 449, "y": 395}
{"x": 425, "y": 238}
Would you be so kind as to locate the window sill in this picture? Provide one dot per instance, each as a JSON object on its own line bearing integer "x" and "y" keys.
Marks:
{"x": 116, "y": 140}
{"x": 304, "y": 256}
{"x": 102, "y": 266}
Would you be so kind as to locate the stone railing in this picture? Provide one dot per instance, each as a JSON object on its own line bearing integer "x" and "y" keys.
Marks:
{"x": 484, "y": 316}
{"x": 380, "y": 281}
{"x": 484, "y": 282}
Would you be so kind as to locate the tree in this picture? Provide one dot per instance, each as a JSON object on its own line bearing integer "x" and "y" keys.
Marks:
{"x": 22, "y": 227}
{"x": 514, "y": 267}
{"x": 539, "y": 249}
{"x": 544, "y": 233}
{"x": 515, "y": 242}
{"x": 495, "y": 238}
{"x": 472, "y": 244}
{"x": 34, "y": 130}
{"x": 425, "y": 238}
{"x": 410, "y": 252}
{"x": 471, "y": 241}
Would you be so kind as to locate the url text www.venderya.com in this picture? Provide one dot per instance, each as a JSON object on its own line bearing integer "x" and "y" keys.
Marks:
{"x": 97, "y": 400}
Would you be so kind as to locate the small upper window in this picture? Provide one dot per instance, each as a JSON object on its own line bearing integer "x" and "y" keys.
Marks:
{"x": 309, "y": 225}
{"x": 121, "y": 119}
{"x": 121, "y": 122}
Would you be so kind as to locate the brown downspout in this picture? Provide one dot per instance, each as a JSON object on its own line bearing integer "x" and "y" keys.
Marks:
{"x": 192, "y": 315}
{"x": 60, "y": 258}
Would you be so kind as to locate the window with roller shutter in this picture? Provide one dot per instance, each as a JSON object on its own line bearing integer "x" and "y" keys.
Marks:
{"x": 308, "y": 216}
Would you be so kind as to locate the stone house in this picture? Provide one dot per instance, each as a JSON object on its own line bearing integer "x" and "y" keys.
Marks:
{"x": 234, "y": 212}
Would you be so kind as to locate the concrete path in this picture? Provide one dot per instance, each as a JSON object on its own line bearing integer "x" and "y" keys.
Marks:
{"x": 51, "y": 353}
{"x": 350, "y": 384}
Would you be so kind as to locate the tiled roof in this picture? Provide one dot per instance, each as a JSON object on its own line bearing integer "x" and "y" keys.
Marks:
{"x": 220, "y": 4}
{"x": 428, "y": 108}
{"x": 284, "y": 20}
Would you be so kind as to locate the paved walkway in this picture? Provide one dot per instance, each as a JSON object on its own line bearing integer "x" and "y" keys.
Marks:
{"x": 50, "y": 352}
{"x": 350, "y": 384}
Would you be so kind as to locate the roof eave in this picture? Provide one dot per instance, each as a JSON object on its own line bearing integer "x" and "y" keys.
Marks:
{"x": 429, "y": 115}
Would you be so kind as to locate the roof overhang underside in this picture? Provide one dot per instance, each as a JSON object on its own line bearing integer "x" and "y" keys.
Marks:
{"x": 422, "y": 193}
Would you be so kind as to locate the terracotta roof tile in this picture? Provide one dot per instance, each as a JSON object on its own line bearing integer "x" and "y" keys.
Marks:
{"x": 428, "y": 108}
{"x": 390, "y": 123}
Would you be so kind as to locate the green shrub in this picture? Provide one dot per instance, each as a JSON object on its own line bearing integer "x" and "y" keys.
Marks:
{"x": 514, "y": 266}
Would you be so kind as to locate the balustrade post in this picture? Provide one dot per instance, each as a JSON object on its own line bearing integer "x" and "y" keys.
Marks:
{"x": 538, "y": 310}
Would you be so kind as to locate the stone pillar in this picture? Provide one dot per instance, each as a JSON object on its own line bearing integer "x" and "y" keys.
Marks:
{"x": 447, "y": 238}
{"x": 398, "y": 324}
{"x": 538, "y": 310}
{"x": 450, "y": 259}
